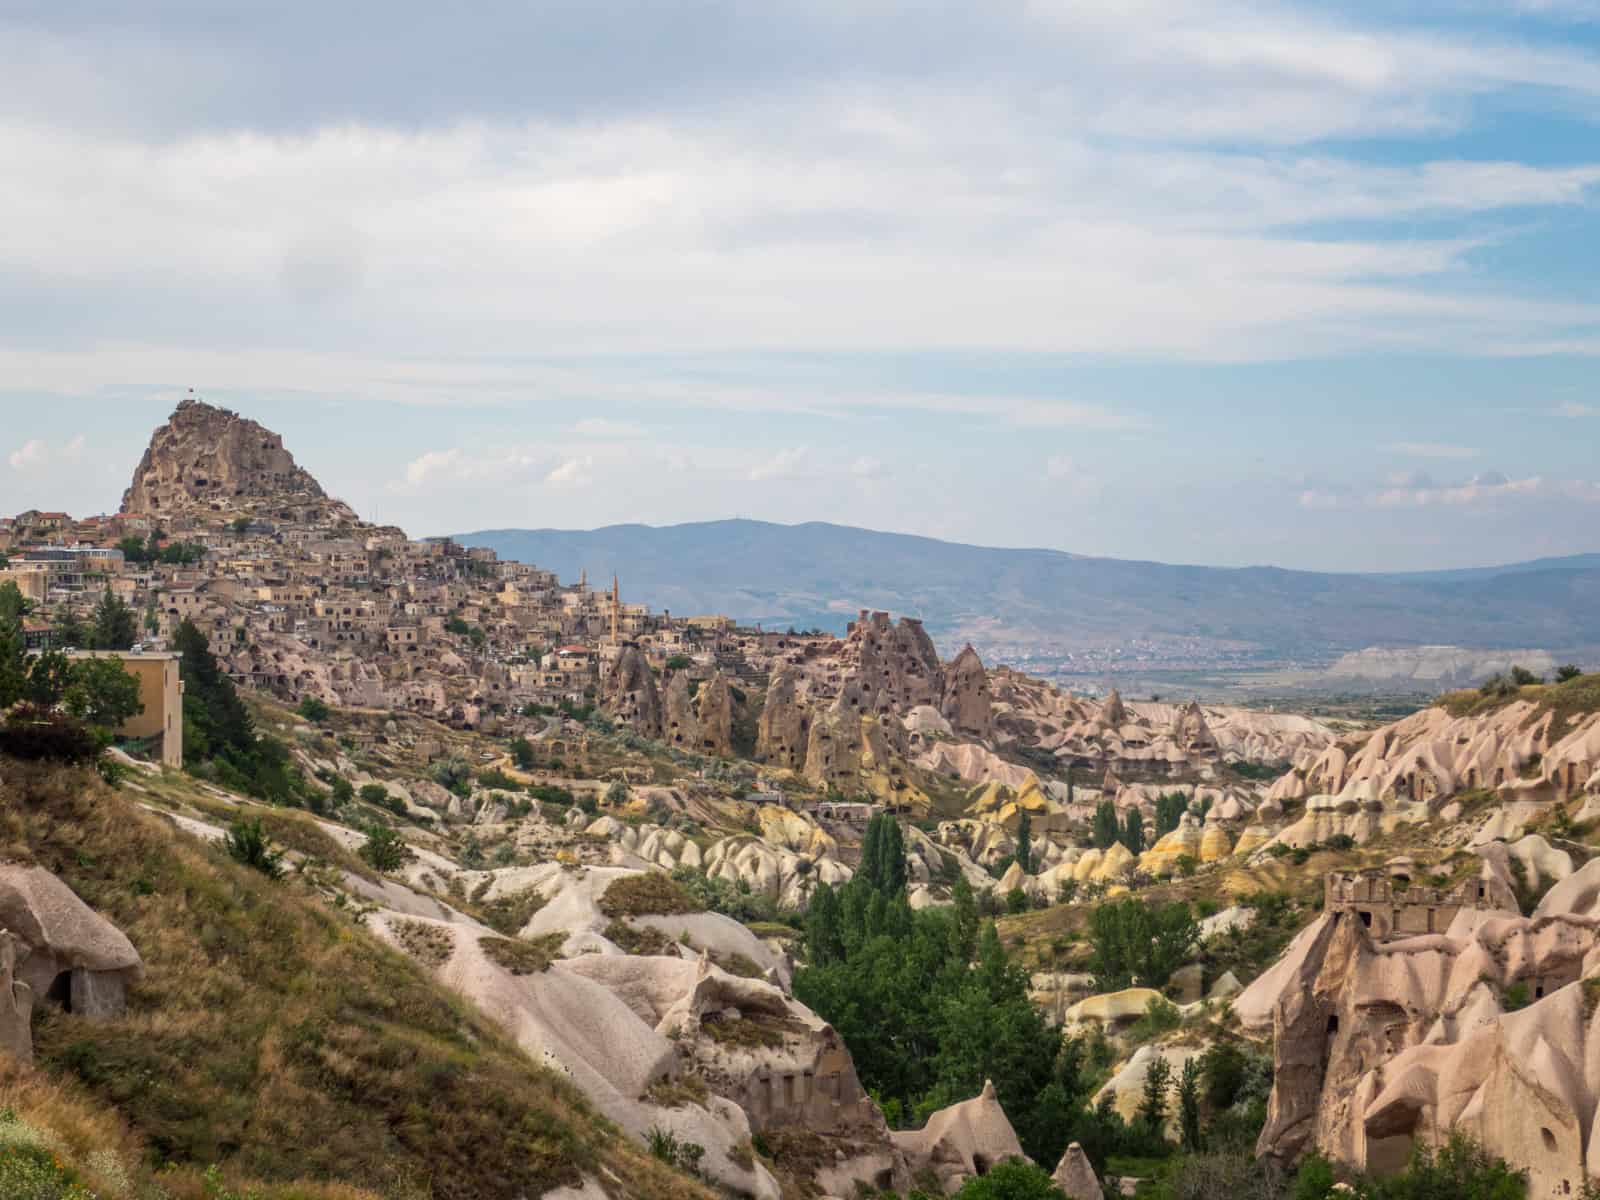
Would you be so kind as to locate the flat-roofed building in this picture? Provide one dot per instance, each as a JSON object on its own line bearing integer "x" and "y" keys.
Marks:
{"x": 161, "y": 693}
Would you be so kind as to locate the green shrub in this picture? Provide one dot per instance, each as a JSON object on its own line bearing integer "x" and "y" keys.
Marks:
{"x": 1012, "y": 1180}
{"x": 384, "y": 849}
{"x": 247, "y": 844}
{"x": 313, "y": 710}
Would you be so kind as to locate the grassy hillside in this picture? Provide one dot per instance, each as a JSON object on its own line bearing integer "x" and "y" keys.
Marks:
{"x": 273, "y": 1036}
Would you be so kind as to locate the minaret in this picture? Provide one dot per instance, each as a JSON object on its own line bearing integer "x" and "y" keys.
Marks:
{"x": 616, "y": 609}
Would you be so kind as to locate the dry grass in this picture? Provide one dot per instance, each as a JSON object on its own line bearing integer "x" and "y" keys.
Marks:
{"x": 274, "y": 1036}
{"x": 649, "y": 894}
{"x": 759, "y": 1031}
{"x": 522, "y": 956}
{"x": 649, "y": 942}
{"x": 678, "y": 1093}
{"x": 431, "y": 945}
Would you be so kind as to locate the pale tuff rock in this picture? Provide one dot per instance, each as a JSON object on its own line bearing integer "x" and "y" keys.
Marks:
{"x": 702, "y": 723}
{"x": 714, "y": 712}
{"x": 1075, "y": 1176}
{"x": 618, "y": 1024}
{"x": 962, "y": 1141}
{"x": 966, "y": 703}
{"x": 211, "y": 459}
{"x": 1430, "y": 756}
{"x": 629, "y": 693}
{"x": 1186, "y": 841}
{"x": 784, "y": 727}
{"x": 590, "y": 1031}
{"x": 1355, "y": 993}
{"x": 1109, "y": 1008}
{"x": 1126, "y": 1087}
{"x": 54, "y": 948}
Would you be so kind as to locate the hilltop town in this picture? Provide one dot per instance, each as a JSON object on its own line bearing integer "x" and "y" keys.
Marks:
{"x": 768, "y": 913}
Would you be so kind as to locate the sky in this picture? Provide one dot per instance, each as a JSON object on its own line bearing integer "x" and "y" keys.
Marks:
{"x": 1211, "y": 281}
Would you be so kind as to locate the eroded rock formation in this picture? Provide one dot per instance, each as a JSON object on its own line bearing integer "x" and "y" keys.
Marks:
{"x": 209, "y": 458}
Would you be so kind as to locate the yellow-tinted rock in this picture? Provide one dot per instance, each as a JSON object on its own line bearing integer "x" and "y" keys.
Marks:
{"x": 1252, "y": 839}
{"x": 1126, "y": 1005}
{"x": 1215, "y": 844}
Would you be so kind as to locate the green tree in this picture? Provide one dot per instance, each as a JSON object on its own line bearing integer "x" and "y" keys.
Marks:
{"x": 71, "y": 633}
{"x": 1189, "y": 1106}
{"x": 47, "y": 676}
{"x": 1024, "y": 855}
{"x": 385, "y": 850}
{"x": 341, "y": 791}
{"x": 883, "y": 856}
{"x": 1170, "y": 808}
{"x": 1152, "y": 1114}
{"x": 1523, "y": 677}
{"x": 216, "y": 721}
{"x": 522, "y": 753}
{"x": 114, "y": 627}
{"x": 100, "y": 692}
{"x": 13, "y": 652}
{"x": 1137, "y": 943}
{"x": 1568, "y": 671}
{"x": 1105, "y": 825}
{"x": 1133, "y": 832}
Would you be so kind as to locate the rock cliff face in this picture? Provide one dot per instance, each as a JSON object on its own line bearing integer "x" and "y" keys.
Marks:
{"x": 1431, "y": 755}
{"x": 208, "y": 459}
{"x": 701, "y": 723}
{"x": 966, "y": 702}
{"x": 1384, "y": 1040}
{"x": 784, "y": 728}
{"x": 630, "y": 693}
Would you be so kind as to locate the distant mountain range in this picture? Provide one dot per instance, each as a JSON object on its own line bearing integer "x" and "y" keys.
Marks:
{"x": 819, "y": 575}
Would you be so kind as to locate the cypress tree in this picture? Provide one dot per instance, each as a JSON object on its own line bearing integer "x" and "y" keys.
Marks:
{"x": 1133, "y": 832}
{"x": 114, "y": 625}
{"x": 1024, "y": 854}
{"x": 1106, "y": 830}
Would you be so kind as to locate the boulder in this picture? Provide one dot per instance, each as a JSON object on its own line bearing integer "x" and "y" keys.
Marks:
{"x": 1075, "y": 1176}
{"x": 66, "y": 952}
{"x": 961, "y": 1142}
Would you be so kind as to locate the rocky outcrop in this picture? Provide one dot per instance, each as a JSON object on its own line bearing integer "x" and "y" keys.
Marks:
{"x": 208, "y": 459}
{"x": 629, "y": 693}
{"x": 714, "y": 714}
{"x": 1075, "y": 1176}
{"x": 784, "y": 727}
{"x": 1422, "y": 761}
{"x": 1145, "y": 734}
{"x": 1345, "y": 1010}
{"x": 641, "y": 1033}
{"x": 55, "y": 949}
{"x": 896, "y": 662}
{"x": 966, "y": 703}
{"x": 961, "y": 1142}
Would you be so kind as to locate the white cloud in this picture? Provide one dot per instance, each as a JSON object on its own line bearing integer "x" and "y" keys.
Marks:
{"x": 793, "y": 463}
{"x": 1430, "y": 450}
{"x": 37, "y": 453}
{"x": 573, "y": 473}
{"x": 1059, "y": 466}
{"x": 33, "y": 453}
{"x": 1489, "y": 486}
{"x": 457, "y": 466}
{"x": 1572, "y": 408}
